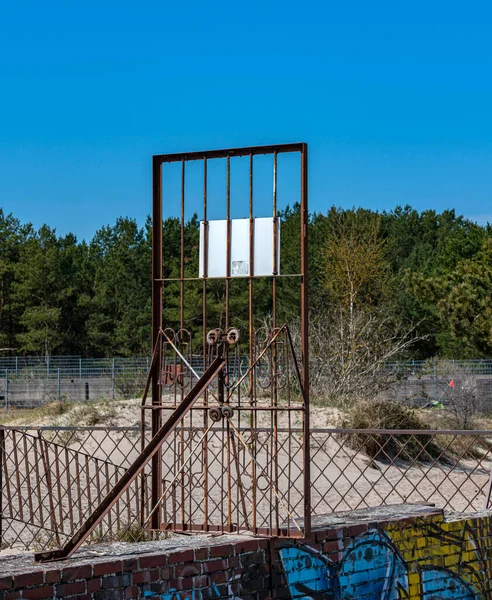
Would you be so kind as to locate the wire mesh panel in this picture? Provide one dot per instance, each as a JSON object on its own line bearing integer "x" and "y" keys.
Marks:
{"x": 53, "y": 478}
{"x": 354, "y": 469}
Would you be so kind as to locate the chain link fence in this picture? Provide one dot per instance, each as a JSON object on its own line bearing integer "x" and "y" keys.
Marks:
{"x": 53, "y": 477}
{"x": 31, "y": 381}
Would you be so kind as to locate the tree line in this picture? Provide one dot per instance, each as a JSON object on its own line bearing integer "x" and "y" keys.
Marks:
{"x": 423, "y": 274}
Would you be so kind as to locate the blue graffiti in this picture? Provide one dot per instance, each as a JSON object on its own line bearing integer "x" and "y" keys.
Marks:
{"x": 308, "y": 572}
{"x": 370, "y": 568}
{"x": 440, "y": 584}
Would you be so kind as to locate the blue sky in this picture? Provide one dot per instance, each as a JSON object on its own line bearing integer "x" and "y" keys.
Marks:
{"x": 394, "y": 99}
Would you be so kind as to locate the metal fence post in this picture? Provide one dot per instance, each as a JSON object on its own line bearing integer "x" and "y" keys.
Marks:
{"x": 58, "y": 384}
{"x": 80, "y": 368}
{"x": 6, "y": 389}
{"x": 112, "y": 378}
{"x": 435, "y": 382}
{"x": 2, "y": 450}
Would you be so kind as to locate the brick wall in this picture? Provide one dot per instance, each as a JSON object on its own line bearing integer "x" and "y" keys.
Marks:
{"x": 389, "y": 553}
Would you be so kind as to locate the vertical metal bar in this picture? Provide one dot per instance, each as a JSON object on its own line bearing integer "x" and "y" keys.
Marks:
{"x": 38, "y": 484}
{"x": 6, "y": 389}
{"x": 252, "y": 415}
{"x": 156, "y": 417}
{"x": 79, "y": 489}
{"x": 205, "y": 346}
{"x": 108, "y": 489}
{"x": 274, "y": 349}
{"x": 58, "y": 484}
{"x": 7, "y": 484}
{"x": 228, "y": 247}
{"x": 112, "y": 378}
{"x": 69, "y": 489}
{"x": 181, "y": 326}
{"x": 43, "y": 449}
{"x": 58, "y": 385}
{"x": 88, "y": 484}
{"x": 182, "y": 252}
{"x": 2, "y": 452}
{"x": 28, "y": 473}
{"x": 305, "y": 338}
{"x": 17, "y": 474}
{"x": 99, "y": 499}
{"x": 227, "y": 324}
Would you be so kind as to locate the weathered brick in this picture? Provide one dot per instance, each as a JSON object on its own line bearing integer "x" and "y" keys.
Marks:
{"x": 130, "y": 564}
{"x": 221, "y": 551}
{"x": 108, "y": 568}
{"x": 215, "y": 565}
{"x": 187, "y": 570}
{"x": 330, "y": 547}
{"x": 249, "y": 546}
{"x": 116, "y": 581}
{"x": 131, "y": 593}
{"x": 201, "y": 554}
{"x": 52, "y": 576}
{"x": 253, "y": 558}
{"x": 356, "y": 530}
{"x": 201, "y": 581}
{"x": 158, "y": 587}
{"x": 108, "y": 595}
{"x": 37, "y": 593}
{"x": 155, "y": 560}
{"x": 70, "y": 589}
{"x": 166, "y": 573}
{"x": 180, "y": 557}
{"x": 74, "y": 573}
{"x": 27, "y": 579}
{"x": 94, "y": 585}
{"x": 6, "y": 583}
{"x": 141, "y": 577}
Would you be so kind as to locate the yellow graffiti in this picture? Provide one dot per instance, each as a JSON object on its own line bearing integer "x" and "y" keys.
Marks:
{"x": 461, "y": 547}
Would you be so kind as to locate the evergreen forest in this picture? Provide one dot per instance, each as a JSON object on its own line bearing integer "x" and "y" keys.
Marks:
{"x": 428, "y": 273}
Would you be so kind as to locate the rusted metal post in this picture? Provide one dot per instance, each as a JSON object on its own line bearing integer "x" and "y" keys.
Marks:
{"x": 305, "y": 336}
{"x": 2, "y": 451}
{"x": 156, "y": 480}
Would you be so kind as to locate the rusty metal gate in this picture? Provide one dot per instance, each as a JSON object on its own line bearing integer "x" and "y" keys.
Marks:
{"x": 254, "y": 370}
{"x": 227, "y": 486}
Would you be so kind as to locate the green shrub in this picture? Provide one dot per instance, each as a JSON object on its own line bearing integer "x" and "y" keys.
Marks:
{"x": 385, "y": 414}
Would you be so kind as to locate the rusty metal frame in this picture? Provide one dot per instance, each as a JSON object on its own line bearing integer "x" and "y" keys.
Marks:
{"x": 136, "y": 468}
{"x": 157, "y": 308}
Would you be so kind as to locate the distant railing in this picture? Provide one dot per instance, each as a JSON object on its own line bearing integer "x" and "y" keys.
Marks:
{"x": 28, "y": 381}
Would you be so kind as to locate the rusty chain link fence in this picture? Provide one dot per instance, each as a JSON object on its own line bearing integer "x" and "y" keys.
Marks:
{"x": 52, "y": 477}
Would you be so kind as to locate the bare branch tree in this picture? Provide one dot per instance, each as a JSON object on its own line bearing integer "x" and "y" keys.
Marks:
{"x": 350, "y": 351}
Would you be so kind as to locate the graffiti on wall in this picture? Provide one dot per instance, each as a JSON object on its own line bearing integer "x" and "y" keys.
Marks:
{"x": 434, "y": 560}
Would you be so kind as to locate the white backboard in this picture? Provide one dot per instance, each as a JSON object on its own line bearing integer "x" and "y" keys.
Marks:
{"x": 263, "y": 264}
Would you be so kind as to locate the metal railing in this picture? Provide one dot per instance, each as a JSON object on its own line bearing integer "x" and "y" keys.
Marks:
{"x": 53, "y": 477}
{"x": 29, "y": 381}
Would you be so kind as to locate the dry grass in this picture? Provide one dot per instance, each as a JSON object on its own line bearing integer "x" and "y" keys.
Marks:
{"x": 34, "y": 416}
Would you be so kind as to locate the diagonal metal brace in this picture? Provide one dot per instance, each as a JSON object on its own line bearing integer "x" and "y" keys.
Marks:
{"x": 143, "y": 458}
